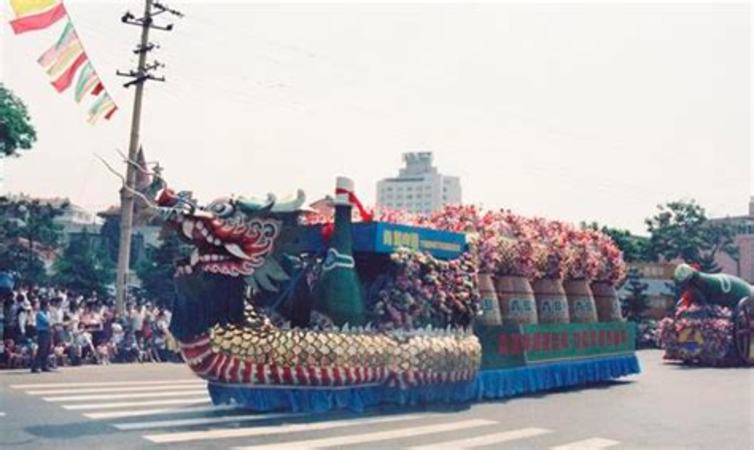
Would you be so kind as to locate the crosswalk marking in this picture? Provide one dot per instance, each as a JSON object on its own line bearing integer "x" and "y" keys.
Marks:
{"x": 113, "y": 389}
{"x": 488, "y": 439}
{"x": 107, "y": 383}
{"x": 202, "y": 421}
{"x": 170, "y": 401}
{"x": 177, "y": 411}
{"x": 158, "y": 411}
{"x": 587, "y": 444}
{"x": 77, "y": 398}
{"x": 278, "y": 429}
{"x": 364, "y": 438}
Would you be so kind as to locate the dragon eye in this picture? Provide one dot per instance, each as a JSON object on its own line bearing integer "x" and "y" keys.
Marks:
{"x": 222, "y": 208}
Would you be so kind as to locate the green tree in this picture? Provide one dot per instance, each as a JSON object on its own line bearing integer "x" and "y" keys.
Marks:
{"x": 27, "y": 227}
{"x": 16, "y": 131}
{"x": 719, "y": 237}
{"x": 110, "y": 233}
{"x": 681, "y": 230}
{"x": 157, "y": 269}
{"x": 636, "y": 302}
{"x": 677, "y": 231}
{"x": 634, "y": 248}
{"x": 84, "y": 265}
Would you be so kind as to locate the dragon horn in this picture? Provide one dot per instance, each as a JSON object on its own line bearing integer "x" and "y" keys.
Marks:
{"x": 291, "y": 205}
{"x": 255, "y": 206}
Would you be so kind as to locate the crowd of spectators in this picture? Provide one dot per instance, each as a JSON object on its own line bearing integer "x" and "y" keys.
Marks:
{"x": 46, "y": 327}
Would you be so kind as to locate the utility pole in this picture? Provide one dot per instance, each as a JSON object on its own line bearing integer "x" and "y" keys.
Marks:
{"x": 152, "y": 8}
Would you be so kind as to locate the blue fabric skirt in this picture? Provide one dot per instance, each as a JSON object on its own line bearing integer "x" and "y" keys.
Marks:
{"x": 488, "y": 385}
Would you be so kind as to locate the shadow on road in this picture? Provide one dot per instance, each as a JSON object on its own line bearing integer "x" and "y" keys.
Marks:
{"x": 73, "y": 430}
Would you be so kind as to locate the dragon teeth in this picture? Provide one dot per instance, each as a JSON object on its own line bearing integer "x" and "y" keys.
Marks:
{"x": 188, "y": 228}
{"x": 236, "y": 250}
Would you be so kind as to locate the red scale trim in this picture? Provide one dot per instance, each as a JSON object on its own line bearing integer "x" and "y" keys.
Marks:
{"x": 337, "y": 377}
{"x": 202, "y": 365}
{"x": 246, "y": 372}
{"x": 275, "y": 374}
{"x": 301, "y": 375}
{"x": 313, "y": 376}
{"x": 260, "y": 374}
{"x": 208, "y": 371}
{"x": 217, "y": 370}
{"x": 231, "y": 371}
{"x": 288, "y": 377}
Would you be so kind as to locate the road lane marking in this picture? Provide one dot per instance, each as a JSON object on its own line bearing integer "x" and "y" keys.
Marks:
{"x": 158, "y": 411}
{"x": 107, "y": 383}
{"x": 275, "y": 429}
{"x": 488, "y": 439}
{"x": 171, "y": 401}
{"x": 112, "y": 389}
{"x": 202, "y": 421}
{"x": 365, "y": 438}
{"x": 587, "y": 444}
{"x": 78, "y": 398}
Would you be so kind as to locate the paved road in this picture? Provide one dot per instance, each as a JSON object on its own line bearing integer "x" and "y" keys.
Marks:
{"x": 164, "y": 406}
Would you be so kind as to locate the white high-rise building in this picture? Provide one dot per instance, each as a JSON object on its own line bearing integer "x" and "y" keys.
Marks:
{"x": 419, "y": 187}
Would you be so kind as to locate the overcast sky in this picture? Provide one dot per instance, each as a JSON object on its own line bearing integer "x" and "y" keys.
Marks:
{"x": 588, "y": 112}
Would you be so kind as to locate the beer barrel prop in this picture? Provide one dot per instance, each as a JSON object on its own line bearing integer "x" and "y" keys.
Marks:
{"x": 552, "y": 304}
{"x": 606, "y": 301}
{"x": 581, "y": 307}
{"x": 517, "y": 304}
{"x": 490, "y": 306}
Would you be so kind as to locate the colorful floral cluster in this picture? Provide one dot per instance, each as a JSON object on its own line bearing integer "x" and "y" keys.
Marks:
{"x": 551, "y": 249}
{"x": 611, "y": 266}
{"x": 701, "y": 334}
{"x": 422, "y": 290}
{"x": 582, "y": 261}
{"x": 508, "y": 244}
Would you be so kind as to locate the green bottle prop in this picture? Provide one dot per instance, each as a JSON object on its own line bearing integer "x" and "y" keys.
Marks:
{"x": 719, "y": 288}
{"x": 339, "y": 293}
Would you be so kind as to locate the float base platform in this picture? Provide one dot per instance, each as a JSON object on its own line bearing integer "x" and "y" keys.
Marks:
{"x": 490, "y": 384}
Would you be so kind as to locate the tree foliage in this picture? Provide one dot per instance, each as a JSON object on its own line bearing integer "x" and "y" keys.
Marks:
{"x": 16, "y": 131}
{"x": 156, "y": 271}
{"x": 681, "y": 230}
{"x": 636, "y": 302}
{"x": 635, "y": 248}
{"x": 84, "y": 265}
{"x": 27, "y": 228}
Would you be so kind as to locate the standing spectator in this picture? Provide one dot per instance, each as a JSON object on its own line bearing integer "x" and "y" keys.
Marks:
{"x": 137, "y": 320}
{"x": 24, "y": 310}
{"x": 56, "y": 311}
{"x": 43, "y": 339}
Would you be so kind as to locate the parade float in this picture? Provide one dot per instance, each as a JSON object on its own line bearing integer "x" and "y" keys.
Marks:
{"x": 281, "y": 307}
{"x": 713, "y": 323}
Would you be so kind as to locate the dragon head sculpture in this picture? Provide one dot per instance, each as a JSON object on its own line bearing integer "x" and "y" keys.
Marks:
{"x": 229, "y": 236}
{"x": 233, "y": 252}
